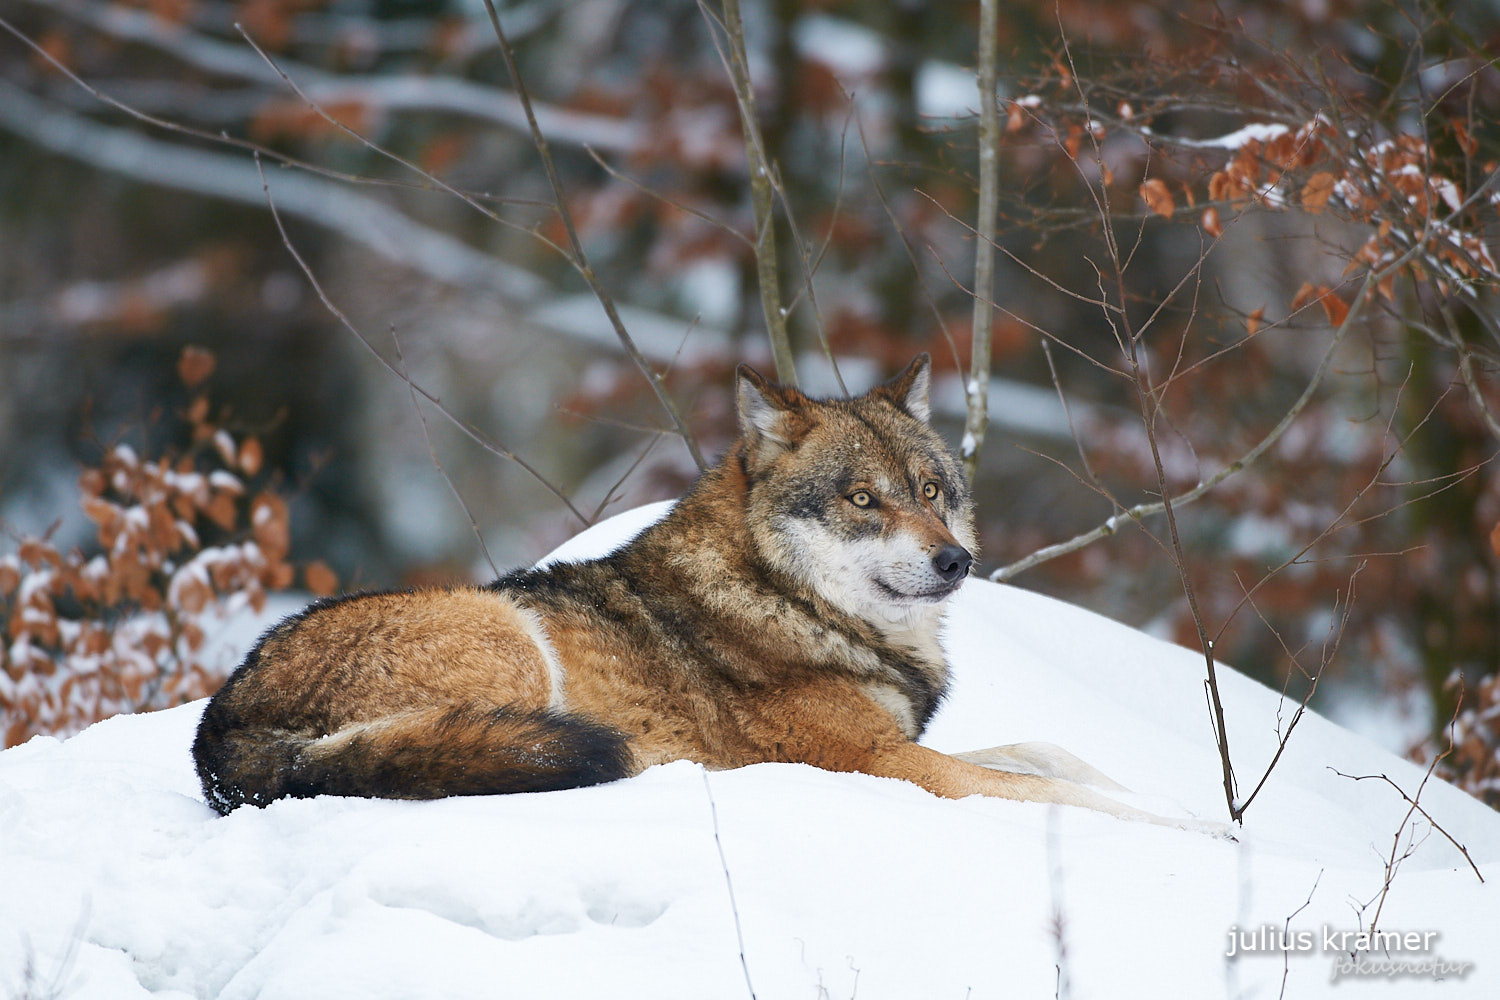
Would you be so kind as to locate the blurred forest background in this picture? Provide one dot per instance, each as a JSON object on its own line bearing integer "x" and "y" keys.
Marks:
{"x": 1263, "y": 230}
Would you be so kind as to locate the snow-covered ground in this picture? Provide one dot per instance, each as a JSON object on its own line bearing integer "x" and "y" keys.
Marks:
{"x": 117, "y": 881}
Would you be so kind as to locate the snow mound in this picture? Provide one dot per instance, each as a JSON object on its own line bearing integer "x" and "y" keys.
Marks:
{"x": 118, "y": 881}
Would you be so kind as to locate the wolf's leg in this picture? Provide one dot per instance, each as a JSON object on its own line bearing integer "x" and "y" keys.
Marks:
{"x": 1045, "y": 759}
{"x": 953, "y": 778}
{"x": 853, "y": 733}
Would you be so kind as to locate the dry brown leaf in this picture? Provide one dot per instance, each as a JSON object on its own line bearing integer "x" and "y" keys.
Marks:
{"x": 34, "y": 553}
{"x": 1334, "y": 307}
{"x": 252, "y": 456}
{"x": 1074, "y": 140}
{"x": 1210, "y": 222}
{"x": 320, "y": 579}
{"x": 221, "y": 511}
{"x": 193, "y": 635}
{"x": 225, "y": 446}
{"x": 1219, "y": 187}
{"x": 1317, "y": 191}
{"x": 1254, "y": 320}
{"x": 101, "y": 512}
{"x": 1304, "y": 295}
{"x": 163, "y": 527}
{"x": 1158, "y": 197}
{"x": 268, "y": 518}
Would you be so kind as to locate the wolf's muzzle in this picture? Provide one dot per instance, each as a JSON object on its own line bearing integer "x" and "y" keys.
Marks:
{"x": 952, "y": 563}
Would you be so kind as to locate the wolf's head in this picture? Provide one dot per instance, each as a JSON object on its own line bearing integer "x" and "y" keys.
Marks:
{"x": 857, "y": 498}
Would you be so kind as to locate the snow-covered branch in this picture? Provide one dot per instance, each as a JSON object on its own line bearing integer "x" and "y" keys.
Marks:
{"x": 406, "y": 92}
{"x": 367, "y": 221}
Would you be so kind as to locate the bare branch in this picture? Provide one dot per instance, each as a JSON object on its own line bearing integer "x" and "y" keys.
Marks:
{"x": 416, "y": 406}
{"x": 906, "y": 243}
{"x": 579, "y": 257}
{"x": 1286, "y": 967}
{"x": 976, "y": 389}
{"x": 1394, "y": 859}
{"x": 1249, "y": 458}
{"x": 668, "y": 200}
{"x": 810, "y": 261}
{"x": 1062, "y": 397}
{"x": 474, "y": 435}
{"x": 403, "y": 92}
{"x": 738, "y": 67}
{"x": 713, "y": 815}
{"x": 367, "y": 221}
{"x": 1283, "y": 737}
{"x": 609, "y": 494}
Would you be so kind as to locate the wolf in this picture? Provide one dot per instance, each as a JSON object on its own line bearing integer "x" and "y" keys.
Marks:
{"x": 788, "y": 608}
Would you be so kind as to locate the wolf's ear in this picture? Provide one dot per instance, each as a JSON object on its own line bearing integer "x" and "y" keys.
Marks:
{"x": 909, "y": 389}
{"x": 771, "y": 417}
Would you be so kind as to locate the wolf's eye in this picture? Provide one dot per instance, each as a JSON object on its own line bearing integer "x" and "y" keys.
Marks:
{"x": 862, "y": 498}
{"x": 930, "y": 491}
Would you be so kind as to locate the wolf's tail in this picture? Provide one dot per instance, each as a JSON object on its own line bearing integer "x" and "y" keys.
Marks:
{"x": 425, "y": 753}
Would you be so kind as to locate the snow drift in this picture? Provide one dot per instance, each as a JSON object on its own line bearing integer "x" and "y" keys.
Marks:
{"x": 116, "y": 880}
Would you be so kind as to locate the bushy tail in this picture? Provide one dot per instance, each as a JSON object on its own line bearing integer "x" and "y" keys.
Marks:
{"x": 425, "y": 753}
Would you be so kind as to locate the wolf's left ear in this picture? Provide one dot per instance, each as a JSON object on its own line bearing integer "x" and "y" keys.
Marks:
{"x": 909, "y": 389}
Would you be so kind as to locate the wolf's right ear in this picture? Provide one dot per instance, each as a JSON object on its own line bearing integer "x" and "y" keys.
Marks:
{"x": 771, "y": 416}
{"x": 910, "y": 389}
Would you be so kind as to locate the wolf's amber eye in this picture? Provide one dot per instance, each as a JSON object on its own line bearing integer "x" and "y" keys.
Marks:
{"x": 930, "y": 491}
{"x": 861, "y": 498}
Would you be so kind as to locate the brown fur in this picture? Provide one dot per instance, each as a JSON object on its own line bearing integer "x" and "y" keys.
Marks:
{"x": 768, "y": 617}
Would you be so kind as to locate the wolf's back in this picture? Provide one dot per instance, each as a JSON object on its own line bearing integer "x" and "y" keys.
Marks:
{"x": 424, "y": 753}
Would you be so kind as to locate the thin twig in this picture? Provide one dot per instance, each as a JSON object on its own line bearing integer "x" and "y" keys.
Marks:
{"x": 682, "y": 207}
{"x": 609, "y": 494}
{"x": 416, "y": 406}
{"x": 1283, "y": 737}
{"x": 479, "y": 439}
{"x": 811, "y": 261}
{"x": 1249, "y": 458}
{"x": 977, "y": 387}
{"x": 906, "y": 244}
{"x": 1286, "y": 966}
{"x": 579, "y": 258}
{"x": 767, "y": 269}
{"x": 373, "y": 147}
{"x": 1040, "y": 331}
{"x": 217, "y": 138}
{"x": 739, "y": 934}
{"x": 1062, "y": 398}
{"x": 1412, "y": 799}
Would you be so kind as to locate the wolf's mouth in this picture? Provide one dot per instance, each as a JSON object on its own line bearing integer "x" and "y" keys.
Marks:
{"x": 923, "y": 597}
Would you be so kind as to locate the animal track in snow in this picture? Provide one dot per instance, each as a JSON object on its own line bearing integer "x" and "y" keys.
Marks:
{"x": 613, "y": 908}
{"x": 530, "y": 916}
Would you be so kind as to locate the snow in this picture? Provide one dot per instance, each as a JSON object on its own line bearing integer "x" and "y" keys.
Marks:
{"x": 945, "y": 90}
{"x": 120, "y": 882}
{"x": 1253, "y": 132}
{"x": 850, "y": 50}
{"x": 856, "y": 55}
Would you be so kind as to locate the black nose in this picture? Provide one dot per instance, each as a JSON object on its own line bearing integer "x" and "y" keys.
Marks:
{"x": 952, "y": 563}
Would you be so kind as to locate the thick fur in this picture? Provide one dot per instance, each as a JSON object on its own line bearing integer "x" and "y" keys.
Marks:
{"x": 787, "y": 609}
